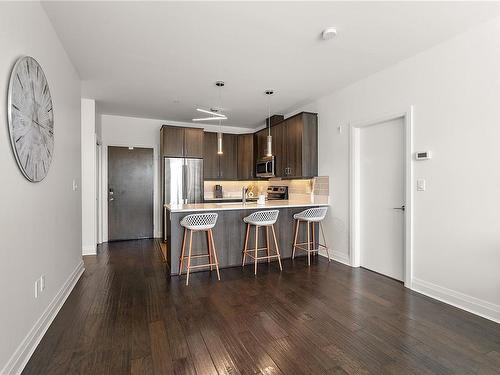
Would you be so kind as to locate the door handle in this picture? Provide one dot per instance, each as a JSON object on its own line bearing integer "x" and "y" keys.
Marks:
{"x": 402, "y": 208}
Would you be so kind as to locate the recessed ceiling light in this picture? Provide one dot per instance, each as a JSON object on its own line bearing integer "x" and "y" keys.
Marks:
{"x": 329, "y": 33}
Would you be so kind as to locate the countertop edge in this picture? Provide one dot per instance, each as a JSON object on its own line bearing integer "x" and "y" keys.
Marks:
{"x": 246, "y": 207}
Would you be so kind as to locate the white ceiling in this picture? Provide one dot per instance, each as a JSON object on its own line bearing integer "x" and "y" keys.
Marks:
{"x": 161, "y": 60}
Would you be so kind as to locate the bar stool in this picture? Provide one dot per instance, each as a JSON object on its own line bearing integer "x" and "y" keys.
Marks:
{"x": 199, "y": 223}
{"x": 261, "y": 219}
{"x": 310, "y": 216}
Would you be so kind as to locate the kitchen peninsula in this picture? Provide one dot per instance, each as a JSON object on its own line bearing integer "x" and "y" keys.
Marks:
{"x": 229, "y": 233}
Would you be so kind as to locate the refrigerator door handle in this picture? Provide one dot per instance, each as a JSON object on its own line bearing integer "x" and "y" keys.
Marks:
{"x": 184, "y": 183}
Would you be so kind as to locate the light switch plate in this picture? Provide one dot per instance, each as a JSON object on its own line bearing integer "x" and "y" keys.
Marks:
{"x": 36, "y": 289}
{"x": 421, "y": 185}
{"x": 75, "y": 185}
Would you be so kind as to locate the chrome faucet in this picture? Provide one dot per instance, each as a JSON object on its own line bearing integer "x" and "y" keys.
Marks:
{"x": 244, "y": 191}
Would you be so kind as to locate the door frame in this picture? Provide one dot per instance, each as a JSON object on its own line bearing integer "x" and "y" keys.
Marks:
{"x": 354, "y": 189}
{"x": 104, "y": 196}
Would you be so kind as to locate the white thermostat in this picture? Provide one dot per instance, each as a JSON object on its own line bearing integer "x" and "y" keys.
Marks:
{"x": 424, "y": 155}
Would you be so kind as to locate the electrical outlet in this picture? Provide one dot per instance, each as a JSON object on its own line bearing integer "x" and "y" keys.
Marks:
{"x": 36, "y": 289}
{"x": 42, "y": 283}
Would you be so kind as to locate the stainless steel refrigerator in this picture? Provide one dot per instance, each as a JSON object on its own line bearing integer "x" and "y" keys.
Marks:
{"x": 183, "y": 182}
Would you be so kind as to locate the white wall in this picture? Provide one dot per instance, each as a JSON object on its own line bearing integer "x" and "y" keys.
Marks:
{"x": 40, "y": 223}
{"x": 455, "y": 90}
{"x": 89, "y": 177}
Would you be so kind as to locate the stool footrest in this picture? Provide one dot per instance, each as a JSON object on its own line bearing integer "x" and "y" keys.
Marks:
{"x": 203, "y": 265}
{"x": 253, "y": 250}
{"x": 196, "y": 256}
{"x": 265, "y": 257}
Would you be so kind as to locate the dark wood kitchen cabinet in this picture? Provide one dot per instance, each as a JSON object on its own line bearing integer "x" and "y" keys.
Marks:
{"x": 210, "y": 157}
{"x": 295, "y": 145}
{"x": 228, "y": 161}
{"x": 181, "y": 142}
{"x": 246, "y": 159}
{"x": 217, "y": 166}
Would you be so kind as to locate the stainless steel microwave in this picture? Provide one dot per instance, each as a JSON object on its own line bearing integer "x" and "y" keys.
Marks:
{"x": 265, "y": 167}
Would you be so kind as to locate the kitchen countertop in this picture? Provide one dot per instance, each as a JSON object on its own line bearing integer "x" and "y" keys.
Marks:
{"x": 248, "y": 206}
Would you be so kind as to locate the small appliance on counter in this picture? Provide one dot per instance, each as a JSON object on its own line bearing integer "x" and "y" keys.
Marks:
{"x": 218, "y": 191}
{"x": 277, "y": 193}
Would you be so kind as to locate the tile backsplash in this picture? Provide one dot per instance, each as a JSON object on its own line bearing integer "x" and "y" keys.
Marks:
{"x": 317, "y": 189}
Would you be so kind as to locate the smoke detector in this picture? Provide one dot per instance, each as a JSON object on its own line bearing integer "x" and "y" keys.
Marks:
{"x": 329, "y": 33}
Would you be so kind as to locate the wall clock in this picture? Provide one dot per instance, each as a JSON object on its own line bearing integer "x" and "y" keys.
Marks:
{"x": 31, "y": 119}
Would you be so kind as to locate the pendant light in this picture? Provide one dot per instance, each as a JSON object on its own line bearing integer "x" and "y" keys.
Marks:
{"x": 220, "y": 85}
{"x": 269, "y": 136}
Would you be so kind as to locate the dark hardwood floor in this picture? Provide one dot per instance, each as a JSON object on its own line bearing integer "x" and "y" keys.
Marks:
{"x": 125, "y": 316}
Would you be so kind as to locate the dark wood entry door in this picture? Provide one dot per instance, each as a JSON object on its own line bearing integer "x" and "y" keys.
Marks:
{"x": 130, "y": 193}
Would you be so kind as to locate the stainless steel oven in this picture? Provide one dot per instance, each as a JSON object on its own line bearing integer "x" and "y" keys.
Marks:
{"x": 265, "y": 167}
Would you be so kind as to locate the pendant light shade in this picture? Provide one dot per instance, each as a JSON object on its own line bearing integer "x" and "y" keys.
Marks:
{"x": 219, "y": 143}
{"x": 269, "y": 136}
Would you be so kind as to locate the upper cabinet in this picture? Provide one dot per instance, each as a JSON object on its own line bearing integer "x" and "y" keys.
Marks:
{"x": 181, "y": 142}
{"x": 295, "y": 145}
{"x": 246, "y": 159}
{"x": 224, "y": 166}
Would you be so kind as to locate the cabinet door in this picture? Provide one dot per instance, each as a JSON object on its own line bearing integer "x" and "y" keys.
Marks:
{"x": 309, "y": 145}
{"x": 294, "y": 129}
{"x": 246, "y": 166}
{"x": 228, "y": 167}
{"x": 210, "y": 157}
{"x": 261, "y": 143}
{"x": 279, "y": 148}
{"x": 173, "y": 141}
{"x": 193, "y": 143}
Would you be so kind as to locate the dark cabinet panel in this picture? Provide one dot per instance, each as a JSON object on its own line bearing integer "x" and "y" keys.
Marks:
{"x": 309, "y": 145}
{"x": 210, "y": 157}
{"x": 228, "y": 162}
{"x": 260, "y": 141}
{"x": 294, "y": 128}
{"x": 246, "y": 165}
{"x": 172, "y": 138}
{"x": 193, "y": 143}
{"x": 279, "y": 149}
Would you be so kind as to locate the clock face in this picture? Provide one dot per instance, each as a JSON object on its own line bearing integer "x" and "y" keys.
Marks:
{"x": 31, "y": 119}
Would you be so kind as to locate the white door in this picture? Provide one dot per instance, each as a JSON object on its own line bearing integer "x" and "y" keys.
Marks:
{"x": 381, "y": 173}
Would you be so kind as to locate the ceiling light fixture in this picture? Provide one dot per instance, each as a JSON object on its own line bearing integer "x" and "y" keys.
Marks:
{"x": 220, "y": 85}
{"x": 211, "y": 112}
{"x": 269, "y": 152}
{"x": 210, "y": 118}
{"x": 329, "y": 33}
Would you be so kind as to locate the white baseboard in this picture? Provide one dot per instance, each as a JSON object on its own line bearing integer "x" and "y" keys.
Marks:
{"x": 19, "y": 359}
{"x": 89, "y": 250}
{"x": 336, "y": 255}
{"x": 465, "y": 302}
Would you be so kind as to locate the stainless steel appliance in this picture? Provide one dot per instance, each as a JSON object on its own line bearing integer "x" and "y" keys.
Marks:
{"x": 265, "y": 167}
{"x": 277, "y": 192}
{"x": 183, "y": 180}
{"x": 183, "y": 183}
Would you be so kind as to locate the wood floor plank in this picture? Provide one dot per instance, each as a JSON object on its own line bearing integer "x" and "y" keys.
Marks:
{"x": 127, "y": 316}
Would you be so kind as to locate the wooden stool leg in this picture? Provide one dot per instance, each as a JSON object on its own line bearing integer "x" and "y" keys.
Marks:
{"x": 189, "y": 255}
{"x": 313, "y": 225}
{"x": 181, "y": 259}
{"x": 267, "y": 245}
{"x": 297, "y": 224}
{"x": 245, "y": 247}
{"x": 277, "y": 247}
{"x": 211, "y": 235}
{"x": 256, "y": 247}
{"x": 308, "y": 244}
{"x": 324, "y": 240}
{"x": 209, "y": 247}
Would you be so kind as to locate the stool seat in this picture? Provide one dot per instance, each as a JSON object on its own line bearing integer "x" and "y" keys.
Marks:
{"x": 262, "y": 218}
{"x": 315, "y": 214}
{"x": 200, "y": 221}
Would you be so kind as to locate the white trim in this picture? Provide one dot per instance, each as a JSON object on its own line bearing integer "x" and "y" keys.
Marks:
{"x": 336, "y": 256}
{"x": 354, "y": 230}
{"x": 21, "y": 356}
{"x": 89, "y": 250}
{"x": 157, "y": 211}
{"x": 463, "y": 301}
